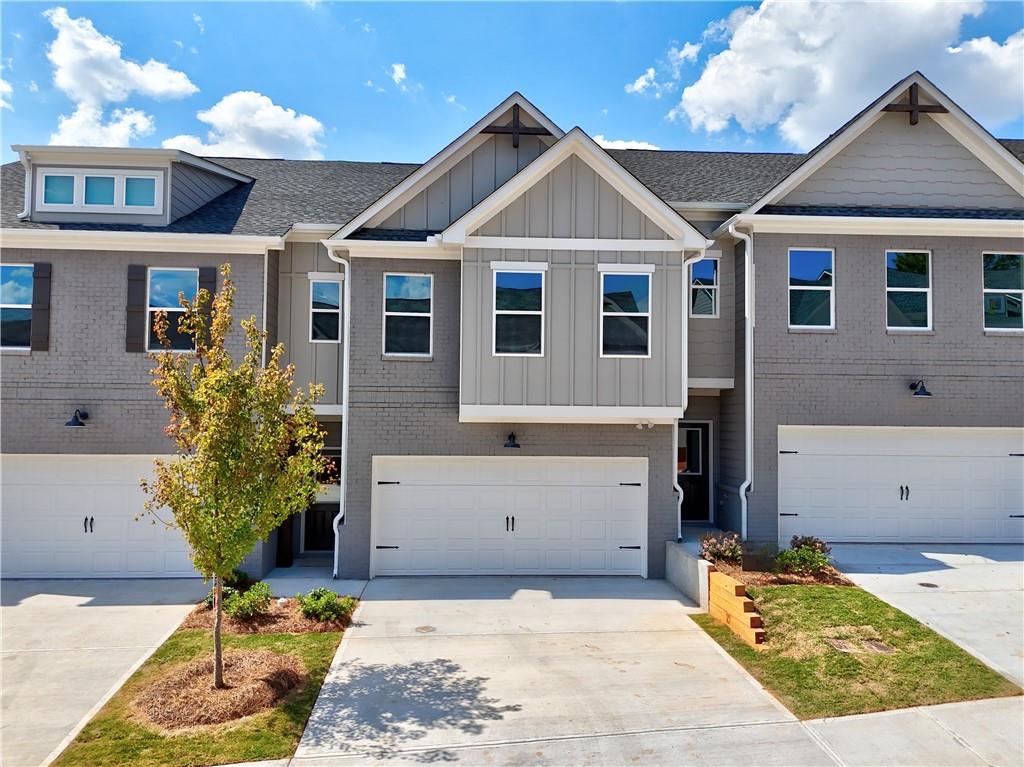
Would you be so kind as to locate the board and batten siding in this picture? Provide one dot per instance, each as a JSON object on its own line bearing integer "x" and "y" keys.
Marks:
{"x": 471, "y": 180}
{"x": 192, "y": 188}
{"x": 317, "y": 362}
{"x": 897, "y": 164}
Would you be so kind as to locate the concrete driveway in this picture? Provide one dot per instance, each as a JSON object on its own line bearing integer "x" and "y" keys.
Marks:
{"x": 541, "y": 671}
{"x": 971, "y": 594}
{"x": 68, "y": 644}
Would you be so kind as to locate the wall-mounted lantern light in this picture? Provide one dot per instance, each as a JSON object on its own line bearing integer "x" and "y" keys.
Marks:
{"x": 919, "y": 390}
{"x": 77, "y": 419}
{"x": 511, "y": 441}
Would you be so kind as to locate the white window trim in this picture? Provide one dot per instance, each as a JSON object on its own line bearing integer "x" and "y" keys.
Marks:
{"x": 517, "y": 266}
{"x": 312, "y": 282}
{"x": 830, "y": 288}
{"x": 151, "y": 309}
{"x": 714, "y": 288}
{"x": 700, "y": 451}
{"x": 888, "y": 290}
{"x": 632, "y": 272}
{"x": 385, "y": 314}
{"x": 985, "y": 291}
{"x": 119, "y": 175}
{"x": 19, "y": 306}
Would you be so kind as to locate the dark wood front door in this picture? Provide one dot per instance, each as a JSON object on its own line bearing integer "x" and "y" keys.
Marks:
{"x": 317, "y": 535}
{"x": 693, "y": 464}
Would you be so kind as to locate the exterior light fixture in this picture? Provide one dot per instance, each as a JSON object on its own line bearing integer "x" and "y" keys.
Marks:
{"x": 76, "y": 420}
{"x": 511, "y": 441}
{"x": 919, "y": 389}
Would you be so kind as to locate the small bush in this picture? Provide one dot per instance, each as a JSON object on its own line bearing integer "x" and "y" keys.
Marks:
{"x": 239, "y": 580}
{"x": 721, "y": 547}
{"x": 802, "y": 561}
{"x": 324, "y": 605}
{"x": 810, "y": 542}
{"x": 228, "y": 591}
{"x": 245, "y": 606}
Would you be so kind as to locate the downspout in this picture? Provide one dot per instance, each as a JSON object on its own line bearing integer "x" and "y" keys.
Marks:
{"x": 346, "y": 355}
{"x": 685, "y": 294}
{"x": 748, "y": 371}
{"x": 26, "y": 162}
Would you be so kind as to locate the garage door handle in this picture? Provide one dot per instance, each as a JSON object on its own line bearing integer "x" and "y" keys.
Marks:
{"x": 630, "y": 484}
{"x": 387, "y": 547}
{"x": 788, "y": 514}
{"x": 513, "y": 523}
{"x": 506, "y": 523}
{"x": 85, "y": 524}
{"x": 91, "y": 521}
{"x": 629, "y": 547}
{"x": 389, "y": 483}
{"x": 1017, "y": 516}
{"x": 901, "y": 492}
{"x": 908, "y": 492}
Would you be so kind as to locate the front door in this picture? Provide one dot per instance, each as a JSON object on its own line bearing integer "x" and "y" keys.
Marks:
{"x": 693, "y": 464}
{"x": 317, "y": 534}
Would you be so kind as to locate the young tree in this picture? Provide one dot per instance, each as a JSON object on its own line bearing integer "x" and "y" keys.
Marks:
{"x": 248, "y": 445}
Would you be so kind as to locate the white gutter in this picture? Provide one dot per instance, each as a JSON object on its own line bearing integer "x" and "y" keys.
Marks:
{"x": 875, "y": 225}
{"x": 748, "y": 372}
{"x": 163, "y": 242}
{"x": 686, "y": 390}
{"x": 26, "y": 162}
{"x": 346, "y": 356}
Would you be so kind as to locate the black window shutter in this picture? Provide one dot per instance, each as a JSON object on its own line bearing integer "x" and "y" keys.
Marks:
{"x": 208, "y": 281}
{"x": 40, "y": 333}
{"x": 135, "y": 311}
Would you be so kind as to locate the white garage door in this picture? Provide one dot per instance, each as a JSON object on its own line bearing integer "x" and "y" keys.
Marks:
{"x": 928, "y": 485}
{"x": 72, "y": 516}
{"x": 498, "y": 515}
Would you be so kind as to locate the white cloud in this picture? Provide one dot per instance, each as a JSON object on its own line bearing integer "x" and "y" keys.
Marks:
{"x": 33, "y": 86}
{"x": 449, "y": 98}
{"x": 17, "y": 35}
{"x": 653, "y": 84}
{"x": 623, "y": 143}
{"x": 807, "y": 67}
{"x": 373, "y": 86}
{"x": 685, "y": 52}
{"x": 6, "y": 91}
{"x": 368, "y": 28}
{"x": 198, "y": 20}
{"x": 179, "y": 43}
{"x": 249, "y": 124}
{"x": 89, "y": 68}
{"x": 397, "y": 73}
{"x": 645, "y": 82}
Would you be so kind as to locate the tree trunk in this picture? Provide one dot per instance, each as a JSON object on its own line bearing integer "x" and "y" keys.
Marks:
{"x": 218, "y": 656}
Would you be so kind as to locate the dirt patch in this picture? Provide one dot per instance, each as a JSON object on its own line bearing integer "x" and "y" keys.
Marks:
{"x": 831, "y": 577}
{"x": 185, "y": 696}
{"x": 282, "y": 618}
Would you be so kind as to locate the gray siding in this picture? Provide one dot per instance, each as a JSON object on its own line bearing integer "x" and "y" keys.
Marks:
{"x": 732, "y": 423}
{"x": 318, "y": 362}
{"x": 273, "y": 298}
{"x": 894, "y": 163}
{"x": 711, "y": 338}
{"x": 858, "y": 375}
{"x": 471, "y": 180}
{"x": 87, "y": 367}
{"x": 192, "y": 188}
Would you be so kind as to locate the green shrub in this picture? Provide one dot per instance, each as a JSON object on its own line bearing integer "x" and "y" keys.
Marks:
{"x": 246, "y": 605}
{"x": 810, "y": 542}
{"x": 228, "y": 591}
{"x": 324, "y": 605}
{"x": 239, "y": 580}
{"x": 802, "y": 561}
{"x": 721, "y": 547}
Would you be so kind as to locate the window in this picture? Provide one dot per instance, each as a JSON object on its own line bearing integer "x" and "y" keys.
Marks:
{"x": 689, "y": 459}
{"x": 58, "y": 190}
{"x": 325, "y": 311}
{"x": 15, "y": 306}
{"x": 1003, "y": 290}
{"x": 810, "y": 288}
{"x": 625, "y": 314}
{"x": 518, "y": 313}
{"x": 163, "y": 287}
{"x": 408, "y": 314}
{"x": 908, "y": 290}
{"x": 70, "y": 190}
{"x": 704, "y": 288}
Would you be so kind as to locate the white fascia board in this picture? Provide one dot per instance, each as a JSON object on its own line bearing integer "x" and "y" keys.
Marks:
{"x": 428, "y": 249}
{"x": 310, "y": 232}
{"x": 443, "y": 160}
{"x": 869, "y": 225}
{"x": 578, "y": 143}
{"x": 567, "y": 414}
{"x": 573, "y": 243}
{"x": 161, "y": 242}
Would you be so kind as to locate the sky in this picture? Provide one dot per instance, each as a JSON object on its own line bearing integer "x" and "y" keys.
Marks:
{"x": 394, "y": 81}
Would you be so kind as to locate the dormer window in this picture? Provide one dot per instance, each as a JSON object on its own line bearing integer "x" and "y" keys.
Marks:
{"x": 72, "y": 190}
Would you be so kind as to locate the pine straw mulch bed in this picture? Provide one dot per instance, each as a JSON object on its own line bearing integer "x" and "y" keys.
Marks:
{"x": 185, "y": 696}
{"x": 831, "y": 577}
{"x": 282, "y": 618}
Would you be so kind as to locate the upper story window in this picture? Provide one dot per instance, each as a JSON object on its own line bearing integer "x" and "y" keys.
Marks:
{"x": 408, "y": 314}
{"x": 704, "y": 288}
{"x": 1003, "y": 290}
{"x": 71, "y": 190}
{"x": 625, "y": 313}
{"x": 518, "y": 312}
{"x": 811, "y": 303}
{"x": 324, "y": 311}
{"x": 163, "y": 287}
{"x": 908, "y": 290}
{"x": 15, "y": 306}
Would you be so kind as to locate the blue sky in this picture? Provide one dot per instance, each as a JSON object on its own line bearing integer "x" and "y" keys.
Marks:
{"x": 398, "y": 82}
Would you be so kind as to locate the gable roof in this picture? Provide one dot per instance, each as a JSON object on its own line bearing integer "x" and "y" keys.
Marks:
{"x": 577, "y": 143}
{"x": 957, "y": 122}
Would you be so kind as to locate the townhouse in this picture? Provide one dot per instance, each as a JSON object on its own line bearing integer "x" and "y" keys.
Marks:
{"x": 539, "y": 356}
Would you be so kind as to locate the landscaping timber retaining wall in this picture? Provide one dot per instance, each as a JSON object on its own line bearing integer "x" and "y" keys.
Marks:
{"x": 728, "y": 603}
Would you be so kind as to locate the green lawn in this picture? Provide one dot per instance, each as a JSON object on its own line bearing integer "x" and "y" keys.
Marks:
{"x": 116, "y": 737}
{"x": 814, "y": 680}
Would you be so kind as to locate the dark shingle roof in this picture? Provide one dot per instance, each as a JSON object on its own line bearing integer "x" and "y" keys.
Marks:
{"x": 872, "y": 210}
{"x": 1015, "y": 145}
